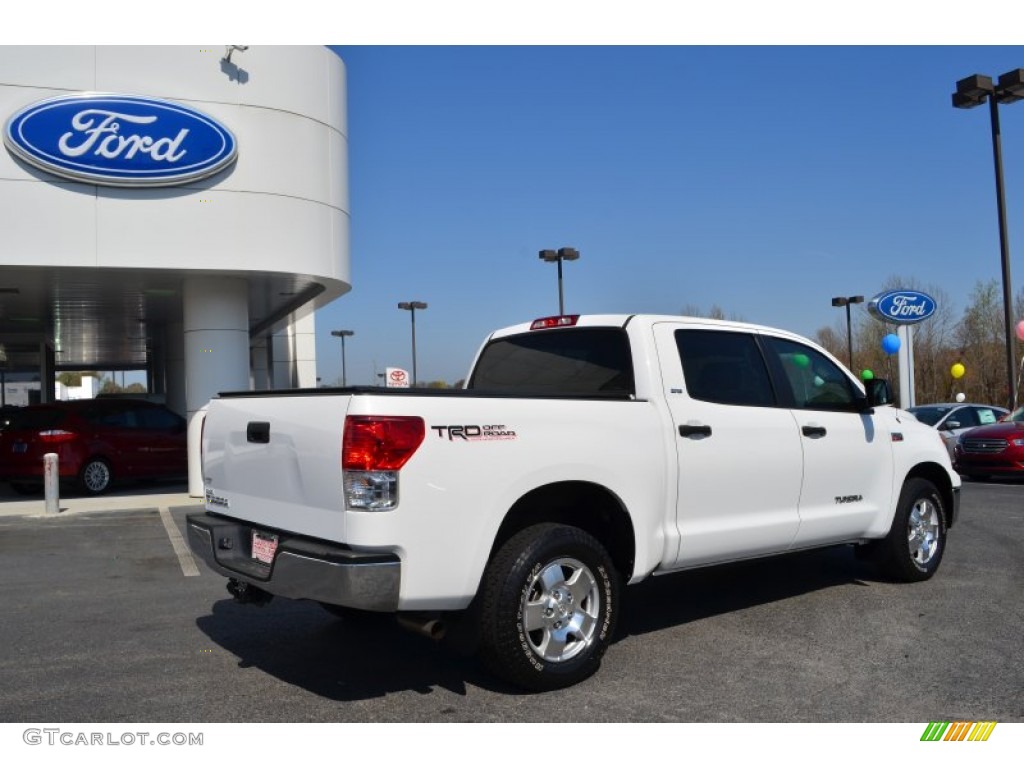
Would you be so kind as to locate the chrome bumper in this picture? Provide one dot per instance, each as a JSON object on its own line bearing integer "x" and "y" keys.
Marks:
{"x": 303, "y": 568}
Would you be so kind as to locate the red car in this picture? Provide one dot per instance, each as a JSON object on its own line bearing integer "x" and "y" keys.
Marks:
{"x": 96, "y": 442}
{"x": 995, "y": 449}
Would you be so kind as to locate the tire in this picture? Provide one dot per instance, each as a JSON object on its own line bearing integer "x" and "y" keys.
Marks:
{"x": 96, "y": 476}
{"x": 549, "y": 608}
{"x": 917, "y": 540}
{"x": 26, "y": 489}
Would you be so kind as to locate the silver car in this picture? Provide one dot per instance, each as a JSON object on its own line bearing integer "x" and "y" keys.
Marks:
{"x": 953, "y": 419}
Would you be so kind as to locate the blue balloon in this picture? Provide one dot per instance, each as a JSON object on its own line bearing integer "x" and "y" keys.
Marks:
{"x": 891, "y": 344}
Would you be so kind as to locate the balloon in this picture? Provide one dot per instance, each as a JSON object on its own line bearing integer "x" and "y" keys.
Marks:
{"x": 801, "y": 360}
{"x": 960, "y": 397}
{"x": 1020, "y": 330}
{"x": 867, "y": 374}
{"x": 957, "y": 370}
{"x": 891, "y": 344}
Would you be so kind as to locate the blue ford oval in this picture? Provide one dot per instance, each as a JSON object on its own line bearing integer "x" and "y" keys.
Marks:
{"x": 120, "y": 141}
{"x": 903, "y": 306}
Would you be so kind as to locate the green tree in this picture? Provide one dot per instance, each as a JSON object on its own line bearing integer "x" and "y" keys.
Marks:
{"x": 110, "y": 387}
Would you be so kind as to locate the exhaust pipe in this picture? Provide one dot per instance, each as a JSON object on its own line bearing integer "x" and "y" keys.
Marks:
{"x": 423, "y": 624}
{"x": 246, "y": 593}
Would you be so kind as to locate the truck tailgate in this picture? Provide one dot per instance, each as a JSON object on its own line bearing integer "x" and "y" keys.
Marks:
{"x": 276, "y": 461}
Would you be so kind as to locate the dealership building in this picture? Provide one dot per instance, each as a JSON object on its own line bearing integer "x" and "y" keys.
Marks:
{"x": 178, "y": 210}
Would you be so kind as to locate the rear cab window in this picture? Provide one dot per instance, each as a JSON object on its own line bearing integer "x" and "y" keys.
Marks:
{"x": 724, "y": 367}
{"x": 574, "y": 362}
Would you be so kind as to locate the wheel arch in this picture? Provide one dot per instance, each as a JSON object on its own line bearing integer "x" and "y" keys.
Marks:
{"x": 585, "y": 505}
{"x": 939, "y": 477}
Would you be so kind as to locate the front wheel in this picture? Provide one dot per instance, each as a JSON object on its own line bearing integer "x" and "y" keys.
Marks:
{"x": 550, "y": 603}
{"x": 917, "y": 540}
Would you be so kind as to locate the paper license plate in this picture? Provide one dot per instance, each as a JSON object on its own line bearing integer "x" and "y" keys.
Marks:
{"x": 264, "y": 545}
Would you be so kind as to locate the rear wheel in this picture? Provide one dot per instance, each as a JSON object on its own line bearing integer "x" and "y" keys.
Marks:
{"x": 550, "y": 603}
{"x": 96, "y": 476}
{"x": 917, "y": 540}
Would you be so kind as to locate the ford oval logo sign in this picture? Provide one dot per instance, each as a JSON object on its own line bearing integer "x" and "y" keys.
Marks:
{"x": 119, "y": 141}
{"x": 904, "y": 307}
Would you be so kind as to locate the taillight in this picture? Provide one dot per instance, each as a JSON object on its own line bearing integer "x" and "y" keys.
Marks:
{"x": 55, "y": 436}
{"x": 558, "y": 321}
{"x": 373, "y": 449}
{"x": 380, "y": 442}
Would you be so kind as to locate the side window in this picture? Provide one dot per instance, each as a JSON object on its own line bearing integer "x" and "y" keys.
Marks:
{"x": 724, "y": 367}
{"x": 816, "y": 383}
{"x": 158, "y": 419}
{"x": 117, "y": 418}
{"x": 967, "y": 418}
{"x": 987, "y": 416}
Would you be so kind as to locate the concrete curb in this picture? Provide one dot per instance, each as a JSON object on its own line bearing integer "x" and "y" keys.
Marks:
{"x": 76, "y": 506}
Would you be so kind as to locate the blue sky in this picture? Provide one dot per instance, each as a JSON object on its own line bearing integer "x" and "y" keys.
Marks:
{"x": 762, "y": 179}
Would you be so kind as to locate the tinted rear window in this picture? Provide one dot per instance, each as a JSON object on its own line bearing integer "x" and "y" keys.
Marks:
{"x": 37, "y": 419}
{"x": 581, "y": 362}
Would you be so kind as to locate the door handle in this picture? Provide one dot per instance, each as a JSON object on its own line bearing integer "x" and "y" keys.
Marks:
{"x": 257, "y": 432}
{"x": 814, "y": 431}
{"x": 693, "y": 430}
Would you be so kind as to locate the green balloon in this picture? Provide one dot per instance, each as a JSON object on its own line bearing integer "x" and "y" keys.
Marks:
{"x": 867, "y": 373}
{"x": 801, "y": 360}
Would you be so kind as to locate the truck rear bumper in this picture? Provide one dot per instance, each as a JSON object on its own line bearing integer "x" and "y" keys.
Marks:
{"x": 302, "y": 568}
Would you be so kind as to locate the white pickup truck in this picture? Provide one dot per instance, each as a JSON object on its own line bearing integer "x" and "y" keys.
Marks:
{"x": 585, "y": 454}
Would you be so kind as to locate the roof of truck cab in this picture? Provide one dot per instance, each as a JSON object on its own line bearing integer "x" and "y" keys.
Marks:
{"x": 620, "y": 321}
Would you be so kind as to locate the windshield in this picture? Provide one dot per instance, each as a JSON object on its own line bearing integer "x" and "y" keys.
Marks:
{"x": 1017, "y": 415}
{"x": 929, "y": 415}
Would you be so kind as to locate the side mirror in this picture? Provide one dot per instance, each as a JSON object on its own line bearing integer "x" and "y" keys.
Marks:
{"x": 950, "y": 426}
{"x": 878, "y": 392}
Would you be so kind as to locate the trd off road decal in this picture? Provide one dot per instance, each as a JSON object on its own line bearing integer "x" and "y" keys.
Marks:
{"x": 475, "y": 432}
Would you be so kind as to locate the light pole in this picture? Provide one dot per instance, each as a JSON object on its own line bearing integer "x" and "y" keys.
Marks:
{"x": 412, "y": 306}
{"x": 972, "y": 92}
{"x": 341, "y": 335}
{"x": 846, "y": 301}
{"x": 562, "y": 254}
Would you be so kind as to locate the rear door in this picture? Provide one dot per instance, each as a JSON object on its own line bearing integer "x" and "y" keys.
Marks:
{"x": 739, "y": 453}
{"x": 164, "y": 435}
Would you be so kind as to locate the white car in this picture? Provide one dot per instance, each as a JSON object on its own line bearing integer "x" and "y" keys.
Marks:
{"x": 953, "y": 419}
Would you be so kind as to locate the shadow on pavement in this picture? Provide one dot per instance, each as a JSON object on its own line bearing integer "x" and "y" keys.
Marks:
{"x": 349, "y": 660}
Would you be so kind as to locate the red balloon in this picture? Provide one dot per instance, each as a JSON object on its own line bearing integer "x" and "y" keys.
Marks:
{"x": 1020, "y": 330}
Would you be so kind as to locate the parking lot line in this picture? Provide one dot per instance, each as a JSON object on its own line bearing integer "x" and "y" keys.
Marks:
{"x": 188, "y": 565}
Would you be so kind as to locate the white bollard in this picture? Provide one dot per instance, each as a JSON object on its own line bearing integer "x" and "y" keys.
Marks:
{"x": 51, "y": 483}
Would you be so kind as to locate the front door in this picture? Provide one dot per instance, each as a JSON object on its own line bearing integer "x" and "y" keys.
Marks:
{"x": 848, "y": 465}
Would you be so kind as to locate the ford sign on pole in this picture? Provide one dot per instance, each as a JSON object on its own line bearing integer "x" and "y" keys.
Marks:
{"x": 902, "y": 307}
{"x": 119, "y": 141}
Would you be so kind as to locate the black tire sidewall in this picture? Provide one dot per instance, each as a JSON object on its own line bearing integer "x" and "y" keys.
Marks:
{"x": 510, "y": 576}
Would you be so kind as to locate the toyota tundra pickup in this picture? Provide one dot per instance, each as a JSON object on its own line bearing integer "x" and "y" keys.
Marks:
{"x": 585, "y": 454}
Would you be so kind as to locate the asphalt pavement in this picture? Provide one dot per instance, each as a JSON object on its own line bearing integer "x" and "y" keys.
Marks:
{"x": 104, "y": 621}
